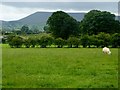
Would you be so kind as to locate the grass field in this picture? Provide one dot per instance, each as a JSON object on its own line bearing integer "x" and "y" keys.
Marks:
{"x": 59, "y": 68}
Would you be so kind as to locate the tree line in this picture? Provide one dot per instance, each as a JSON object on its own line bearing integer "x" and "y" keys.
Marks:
{"x": 62, "y": 25}
{"x": 100, "y": 40}
{"x": 97, "y": 29}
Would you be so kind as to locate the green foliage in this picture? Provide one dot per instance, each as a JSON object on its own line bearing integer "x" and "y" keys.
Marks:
{"x": 9, "y": 40}
{"x": 46, "y": 29}
{"x": 91, "y": 40}
{"x": 73, "y": 41}
{"x": 95, "y": 41}
{"x": 62, "y": 25}
{"x": 35, "y": 29}
{"x": 3, "y": 40}
{"x": 17, "y": 32}
{"x": 84, "y": 40}
{"x": 115, "y": 40}
{"x": 59, "y": 42}
{"x": 104, "y": 39}
{"x": 45, "y": 41}
{"x": 25, "y": 29}
{"x": 100, "y": 40}
{"x": 10, "y": 37}
{"x": 27, "y": 42}
{"x": 33, "y": 42}
{"x": 30, "y": 42}
{"x": 15, "y": 41}
{"x": 97, "y": 21}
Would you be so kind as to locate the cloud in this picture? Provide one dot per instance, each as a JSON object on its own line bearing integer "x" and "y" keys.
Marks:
{"x": 60, "y": 1}
{"x": 12, "y": 13}
{"x": 15, "y": 10}
{"x": 110, "y": 6}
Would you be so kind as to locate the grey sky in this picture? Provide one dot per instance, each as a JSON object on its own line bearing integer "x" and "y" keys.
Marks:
{"x": 64, "y": 5}
{"x": 17, "y": 10}
{"x": 60, "y": 1}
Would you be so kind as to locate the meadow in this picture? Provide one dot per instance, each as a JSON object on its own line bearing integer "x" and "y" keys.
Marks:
{"x": 59, "y": 68}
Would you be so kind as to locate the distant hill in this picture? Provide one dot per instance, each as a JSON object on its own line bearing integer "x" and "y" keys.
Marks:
{"x": 37, "y": 19}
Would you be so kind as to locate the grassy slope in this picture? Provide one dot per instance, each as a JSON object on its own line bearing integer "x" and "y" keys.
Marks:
{"x": 59, "y": 67}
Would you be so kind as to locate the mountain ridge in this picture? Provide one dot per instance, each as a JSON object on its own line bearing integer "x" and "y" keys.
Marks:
{"x": 37, "y": 19}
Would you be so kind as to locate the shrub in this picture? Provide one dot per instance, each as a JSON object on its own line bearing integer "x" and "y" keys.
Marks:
{"x": 16, "y": 41}
{"x": 45, "y": 40}
{"x": 10, "y": 37}
{"x": 73, "y": 41}
{"x": 3, "y": 40}
{"x": 59, "y": 42}
{"x": 115, "y": 41}
{"x": 84, "y": 40}
{"x": 104, "y": 39}
{"x": 27, "y": 42}
{"x": 96, "y": 42}
{"x": 33, "y": 42}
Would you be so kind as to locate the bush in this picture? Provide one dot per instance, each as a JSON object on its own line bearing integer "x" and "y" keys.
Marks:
{"x": 10, "y": 37}
{"x": 33, "y": 42}
{"x": 59, "y": 42}
{"x": 27, "y": 42}
{"x": 73, "y": 41}
{"x": 84, "y": 41}
{"x": 3, "y": 40}
{"x": 45, "y": 40}
{"x": 100, "y": 40}
{"x": 115, "y": 41}
{"x": 16, "y": 41}
{"x": 96, "y": 42}
{"x": 104, "y": 39}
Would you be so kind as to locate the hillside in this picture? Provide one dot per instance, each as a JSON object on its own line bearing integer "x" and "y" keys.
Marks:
{"x": 37, "y": 19}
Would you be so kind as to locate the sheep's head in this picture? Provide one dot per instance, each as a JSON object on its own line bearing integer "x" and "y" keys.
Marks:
{"x": 109, "y": 52}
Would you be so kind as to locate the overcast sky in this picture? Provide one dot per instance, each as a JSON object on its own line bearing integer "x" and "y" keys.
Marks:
{"x": 59, "y": 0}
{"x": 17, "y": 10}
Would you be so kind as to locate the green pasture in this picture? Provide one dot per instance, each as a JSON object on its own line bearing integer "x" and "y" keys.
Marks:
{"x": 59, "y": 68}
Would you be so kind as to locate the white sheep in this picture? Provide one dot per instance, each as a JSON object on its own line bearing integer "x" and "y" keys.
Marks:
{"x": 106, "y": 50}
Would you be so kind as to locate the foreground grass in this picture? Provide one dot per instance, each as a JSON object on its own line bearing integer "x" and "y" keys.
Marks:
{"x": 59, "y": 68}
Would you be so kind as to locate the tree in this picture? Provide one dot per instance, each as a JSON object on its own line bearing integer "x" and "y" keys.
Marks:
{"x": 97, "y": 21}
{"x": 25, "y": 29}
{"x": 46, "y": 29}
{"x": 17, "y": 32}
{"x": 62, "y": 25}
{"x": 35, "y": 29}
